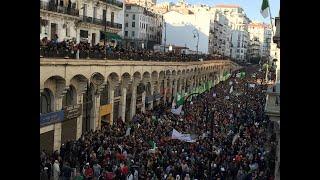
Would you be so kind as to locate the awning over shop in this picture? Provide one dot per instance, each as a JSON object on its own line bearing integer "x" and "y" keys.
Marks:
{"x": 113, "y": 36}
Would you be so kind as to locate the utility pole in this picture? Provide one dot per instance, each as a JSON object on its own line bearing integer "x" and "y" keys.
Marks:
{"x": 105, "y": 31}
{"x": 165, "y": 36}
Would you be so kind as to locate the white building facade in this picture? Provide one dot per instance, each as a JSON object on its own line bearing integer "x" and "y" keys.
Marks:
{"x": 260, "y": 32}
{"x": 142, "y": 28}
{"x": 94, "y": 14}
{"x": 221, "y": 34}
{"x": 81, "y": 20}
{"x": 238, "y": 21}
{"x": 58, "y": 20}
{"x": 188, "y": 30}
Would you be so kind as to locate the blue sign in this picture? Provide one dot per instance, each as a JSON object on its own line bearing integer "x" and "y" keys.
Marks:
{"x": 50, "y": 118}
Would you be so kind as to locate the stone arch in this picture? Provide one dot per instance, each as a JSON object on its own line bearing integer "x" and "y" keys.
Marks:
{"x": 126, "y": 77}
{"x": 154, "y": 76}
{"x": 79, "y": 81}
{"x": 174, "y": 73}
{"x": 113, "y": 78}
{"x": 183, "y": 72}
{"x": 162, "y": 74}
{"x": 56, "y": 84}
{"x": 179, "y": 72}
{"x": 168, "y": 72}
{"x": 137, "y": 76}
{"x": 97, "y": 79}
{"x": 146, "y": 75}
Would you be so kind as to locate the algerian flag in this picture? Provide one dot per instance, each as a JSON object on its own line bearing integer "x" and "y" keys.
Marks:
{"x": 242, "y": 75}
{"x": 152, "y": 144}
{"x": 154, "y": 147}
{"x": 180, "y": 99}
{"x": 265, "y": 8}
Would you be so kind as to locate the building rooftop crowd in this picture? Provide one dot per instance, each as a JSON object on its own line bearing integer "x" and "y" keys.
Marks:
{"x": 71, "y": 50}
{"x": 234, "y": 140}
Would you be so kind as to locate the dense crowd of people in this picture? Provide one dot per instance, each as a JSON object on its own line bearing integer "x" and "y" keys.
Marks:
{"x": 71, "y": 49}
{"x": 234, "y": 140}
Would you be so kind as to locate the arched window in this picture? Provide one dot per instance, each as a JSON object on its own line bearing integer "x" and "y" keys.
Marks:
{"x": 45, "y": 102}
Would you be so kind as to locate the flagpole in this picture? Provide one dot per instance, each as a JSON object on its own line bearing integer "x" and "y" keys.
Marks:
{"x": 270, "y": 18}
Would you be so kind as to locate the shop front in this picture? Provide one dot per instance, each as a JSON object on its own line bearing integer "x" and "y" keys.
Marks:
{"x": 105, "y": 112}
{"x": 69, "y": 124}
{"x": 47, "y": 122}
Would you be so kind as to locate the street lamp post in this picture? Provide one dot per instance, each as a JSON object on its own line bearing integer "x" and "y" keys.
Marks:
{"x": 105, "y": 32}
{"x": 165, "y": 36}
{"x": 196, "y": 34}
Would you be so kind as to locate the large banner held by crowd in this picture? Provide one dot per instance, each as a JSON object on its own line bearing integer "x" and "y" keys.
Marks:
{"x": 182, "y": 137}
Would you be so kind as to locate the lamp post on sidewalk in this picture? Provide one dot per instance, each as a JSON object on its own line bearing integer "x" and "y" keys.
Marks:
{"x": 105, "y": 31}
{"x": 196, "y": 35}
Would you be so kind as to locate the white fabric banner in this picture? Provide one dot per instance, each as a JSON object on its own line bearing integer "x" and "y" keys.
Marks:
{"x": 128, "y": 131}
{"x": 231, "y": 90}
{"x": 182, "y": 137}
{"x": 177, "y": 111}
{"x": 235, "y": 138}
{"x": 252, "y": 85}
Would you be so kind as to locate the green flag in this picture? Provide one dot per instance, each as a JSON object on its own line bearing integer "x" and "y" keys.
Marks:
{"x": 265, "y": 8}
{"x": 180, "y": 99}
{"x": 152, "y": 144}
{"x": 242, "y": 75}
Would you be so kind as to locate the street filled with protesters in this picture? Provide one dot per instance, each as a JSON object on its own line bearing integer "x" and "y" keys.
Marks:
{"x": 230, "y": 137}
{"x": 69, "y": 49}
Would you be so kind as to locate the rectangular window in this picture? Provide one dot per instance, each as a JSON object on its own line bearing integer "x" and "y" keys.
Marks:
{"x": 83, "y": 34}
{"x": 133, "y": 17}
{"x": 126, "y": 33}
{"x": 132, "y": 33}
{"x": 127, "y": 15}
{"x": 133, "y": 24}
{"x": 238, "y": 51}
{"x": 85, "y": 9}
{"x": 126, "y": 25}
{"x": 95, "y": 12}
{"x": 68, "y": 31}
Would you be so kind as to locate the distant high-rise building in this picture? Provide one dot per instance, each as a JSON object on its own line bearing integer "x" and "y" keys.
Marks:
{"x": 238, "y": 22}
{"x": 142, "y": 28}
{"x": 261, "y": 33}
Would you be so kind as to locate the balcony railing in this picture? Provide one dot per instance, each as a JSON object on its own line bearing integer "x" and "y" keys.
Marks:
{"x": 114, "y": 2}
{"x": 99, "y": 54}
{"x": 59, "y": 9}
{"x": 273, "y": 104}
{"x": 100, "y": 22}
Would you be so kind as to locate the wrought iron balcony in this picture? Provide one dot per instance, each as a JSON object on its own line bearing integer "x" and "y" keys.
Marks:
{"x": 59, "y": 9}
{"x": 100, "y": 22}
{"x": 114, "y": 2}
{"x": 276, "y": 37}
